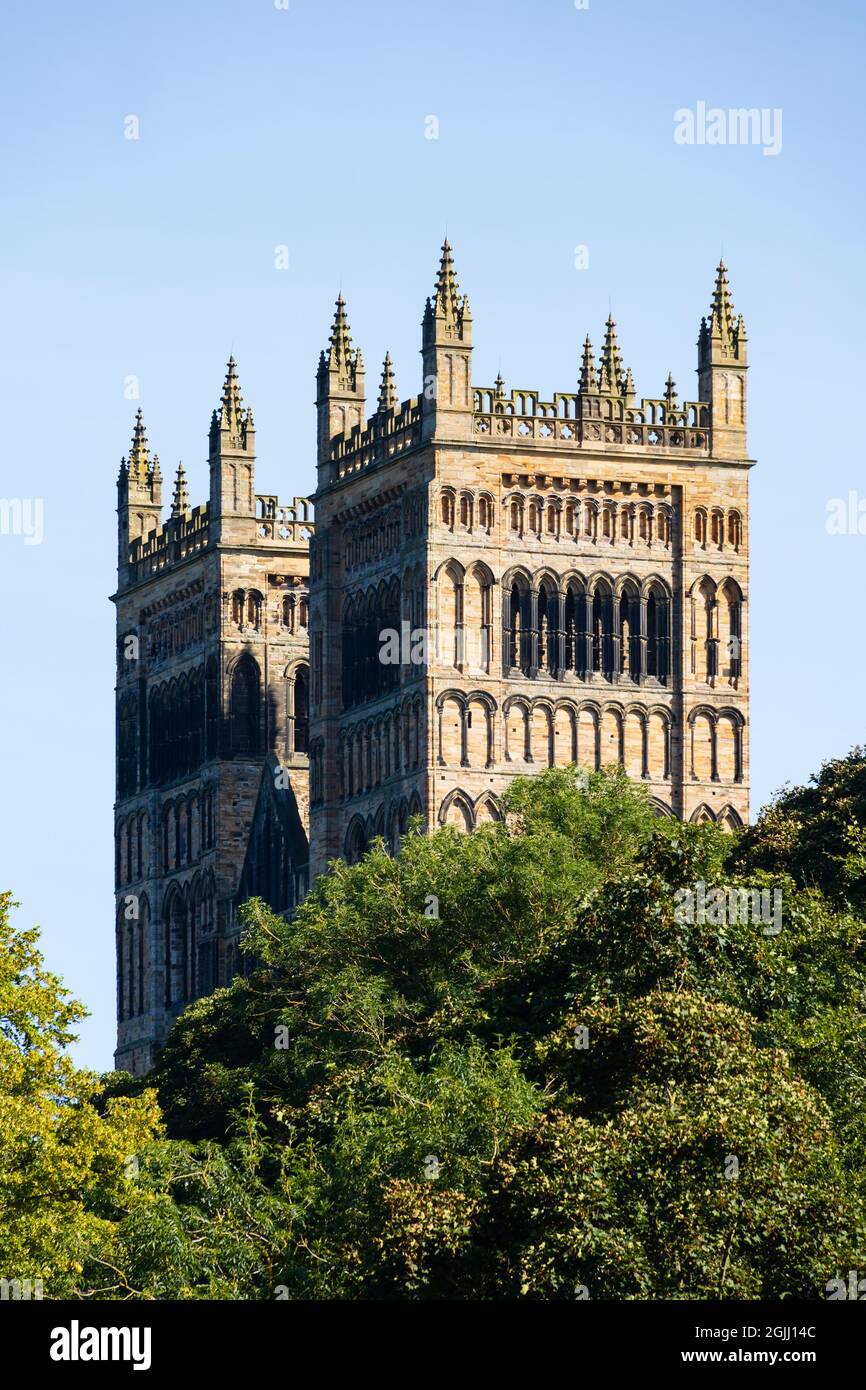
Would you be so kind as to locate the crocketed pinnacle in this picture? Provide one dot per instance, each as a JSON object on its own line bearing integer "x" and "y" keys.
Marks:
{"x": 722, "y": 333}
{"x": 451, "y": 314}
{"x": 447, "y": 290}
{"x": 139, "y": 455}
{"x": 722, "y": 313}
{"x": 611, "y": 378}
{"x": 387, "y": 388}
{"x": 340, "y": 342}
{"x": 670, "y": 391}
{"x": 180, "y": 501}
{"x": 341, "y": 361}
{"x": 231, "y": 402}
{"x": 588, "y": 378}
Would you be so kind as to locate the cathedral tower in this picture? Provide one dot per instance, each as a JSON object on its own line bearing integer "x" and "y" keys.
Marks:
{"x": 497, "y": 581}
{"x": 567, "y": 578}
{"x": 212, "y": 700}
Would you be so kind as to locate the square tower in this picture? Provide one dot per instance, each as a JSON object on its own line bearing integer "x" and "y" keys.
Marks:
{"x": 501, "y": 583}
{"x": 212, "y": 698}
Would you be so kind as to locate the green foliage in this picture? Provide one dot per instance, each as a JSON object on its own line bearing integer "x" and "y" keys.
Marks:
{"x": 63, "y": 1157}
{"x": 427, "y": 1124}
{"x": 510, "y": 1064}
{"x": 817, "y": 833}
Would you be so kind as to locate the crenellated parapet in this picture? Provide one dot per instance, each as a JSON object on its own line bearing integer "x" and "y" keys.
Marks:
{"x": 603, "y": 413}
{"x": 170, "y": 544}
{"x": 386, "y": 434}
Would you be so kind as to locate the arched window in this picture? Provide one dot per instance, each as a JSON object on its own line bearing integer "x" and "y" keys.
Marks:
{"x": 657, "y": 634}
{"x": 127, "y": 746}
{"x": 548, "y": 629}
{"x": 212, "y": 711}
{"x": 516, "y": 643}
{"x": 629, "y": 640}
{"x": 177, "y": 961}
{"x": 245, "y": 706}
{"x": 602, "y": 632}
{"x": 735, "y": 530}
{"x": 356, "y": 842}
{"x": 289, "y": 612}
{"x": 254, "y": 610}
{"x": 299, "y": 710}
{"x": 700, "y": 527}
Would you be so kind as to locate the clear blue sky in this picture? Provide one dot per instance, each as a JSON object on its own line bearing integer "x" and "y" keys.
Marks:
{"x": 305, "y": 127}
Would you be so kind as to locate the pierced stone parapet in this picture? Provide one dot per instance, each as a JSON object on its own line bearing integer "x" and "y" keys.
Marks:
{"x": 280, "y": 521}
{"x": 592, "y": 420}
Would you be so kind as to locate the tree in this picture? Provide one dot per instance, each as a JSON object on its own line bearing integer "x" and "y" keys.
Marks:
{"x": 64, "y": 1159}
{"x": 398, "y": 1101}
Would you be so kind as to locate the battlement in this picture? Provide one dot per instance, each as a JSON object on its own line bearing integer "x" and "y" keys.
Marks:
{"x": 176, "y": 540}
{"x": 572, "y": 419}
{"x": 292, "y": 522}
{"x": 603, "y": 412}
{"x": 387, "y": 433}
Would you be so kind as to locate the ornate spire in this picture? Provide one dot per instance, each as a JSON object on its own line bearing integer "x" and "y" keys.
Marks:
{"x": 671, "y": 393}
{"x": 628, "y": 389}
{"x": 723, "y": 334}
{"x": 447, "y": 296}
{"x": 139, "y": 455}
{"x": 340, "y": 359}
{"x": 155, "y": 474}
{"x": 180, "y": 501}
{"x": 446, "y": 314}
{"x": 387, "y": 389}
{"x": 588, "y": 378}
{"x": 340, "y": 341}
{"x": 499, "y": 387}
{"x": 611, "y": 378}
{"x": 722, "y": 313}
{"x": 232, "y": 417}
{"x": 231, "y": 402}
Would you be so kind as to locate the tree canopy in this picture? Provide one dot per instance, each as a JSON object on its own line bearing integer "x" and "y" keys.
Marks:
{"x": 516, "y": 1063}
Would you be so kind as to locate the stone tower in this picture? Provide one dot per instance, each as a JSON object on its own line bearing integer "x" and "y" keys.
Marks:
{"x": 567, "y": 579}
{"x": 212, "y": 721}
{"x": 497, "y": 583}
